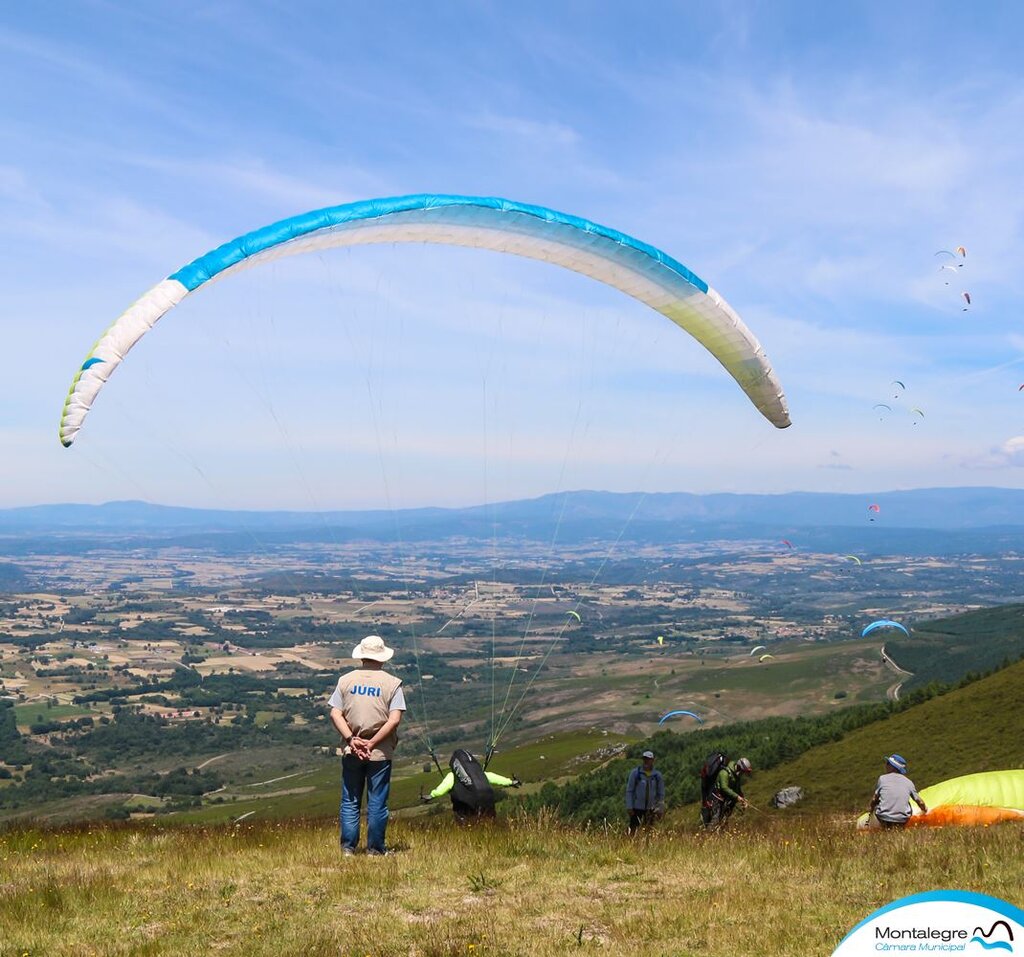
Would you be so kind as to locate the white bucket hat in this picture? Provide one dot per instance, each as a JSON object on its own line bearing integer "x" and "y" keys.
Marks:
{"x": 372, "y": 647}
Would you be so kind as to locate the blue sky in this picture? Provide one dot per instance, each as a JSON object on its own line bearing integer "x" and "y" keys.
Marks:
{"x": 806, "y": 160}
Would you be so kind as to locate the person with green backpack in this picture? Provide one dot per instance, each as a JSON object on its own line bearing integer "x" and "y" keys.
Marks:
{"x": 721, "y": 788}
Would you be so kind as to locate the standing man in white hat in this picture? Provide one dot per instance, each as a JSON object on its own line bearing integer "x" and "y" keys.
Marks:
{"x": 366, "y": 708}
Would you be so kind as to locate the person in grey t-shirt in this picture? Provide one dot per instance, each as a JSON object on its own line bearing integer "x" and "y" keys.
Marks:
{"x": 893, "y": 794}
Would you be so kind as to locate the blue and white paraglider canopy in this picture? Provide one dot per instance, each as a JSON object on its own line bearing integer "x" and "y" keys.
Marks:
{"x": 634, "y": 267}
{"x": 883, "y": 624}
{"x": 689, "y": 714}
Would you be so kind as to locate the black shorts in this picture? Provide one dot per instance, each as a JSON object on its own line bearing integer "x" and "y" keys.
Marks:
{"x": 889, "y": 824}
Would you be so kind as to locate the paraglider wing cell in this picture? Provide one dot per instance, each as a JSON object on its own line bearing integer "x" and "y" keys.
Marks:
{"x": 630, "y": 265}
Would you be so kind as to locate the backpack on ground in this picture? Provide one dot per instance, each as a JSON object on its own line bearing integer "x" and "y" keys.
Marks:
{"x": 709, "y": 774}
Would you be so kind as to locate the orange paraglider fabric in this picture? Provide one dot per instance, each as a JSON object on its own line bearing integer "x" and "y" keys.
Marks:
{"x": 961, "y": 815}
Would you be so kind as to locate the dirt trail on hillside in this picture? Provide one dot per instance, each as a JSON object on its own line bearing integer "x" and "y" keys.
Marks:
{"x": 893, "y": 693}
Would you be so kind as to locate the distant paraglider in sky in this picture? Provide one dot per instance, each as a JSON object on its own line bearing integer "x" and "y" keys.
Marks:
{"x": 882, "y": 624}
{"x": 874, "y": 510}
{"x": 787, "y": 543}
{"x": 900, "y": 388}
{"x": 883, "y": 410}
{"x": 853, "y": 558}
{"x": 766, "y": 658}
{"x": 576, "y": 615}
{"x": 756, "y": 649}
{"x": 689, "y": 714}
{"x": 607, "y": 255}
{"x": 661, "y": 640}
{"x": 953, "y": 260}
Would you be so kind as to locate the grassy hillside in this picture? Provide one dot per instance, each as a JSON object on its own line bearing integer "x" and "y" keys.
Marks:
{"x": 316, "y": 793}
{"x": 975, "y": 728}
{"x": 834, "y": 757}
{"x": 520, "y": 888}
{"x": 949, "y": 648}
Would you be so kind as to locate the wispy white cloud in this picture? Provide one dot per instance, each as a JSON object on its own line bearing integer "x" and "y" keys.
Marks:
{"x": 1008, "y": 455}
{"x": 537, "y": 133}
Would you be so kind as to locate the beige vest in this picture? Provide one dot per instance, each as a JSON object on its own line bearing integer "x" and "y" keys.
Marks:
{"x": 365, "y": 696}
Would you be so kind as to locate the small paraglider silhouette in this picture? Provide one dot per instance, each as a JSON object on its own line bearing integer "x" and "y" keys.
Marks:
{"x": 884, "y": 623}
{"x": 661, "y": 641}
{"x": 766, "y": 658}
{"x": 917, "y": 412}
{"x": 952, "y": 261}
{"x": 966, "y": 296}
{"x": 901, "y": 388}
{"x": 689, "y": 714}
{"x": 756, "y": 649}
{"x": 874, "y": 509}
{"x": 854, "y": 558}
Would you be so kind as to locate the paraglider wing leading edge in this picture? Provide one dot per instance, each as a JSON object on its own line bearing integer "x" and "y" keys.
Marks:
{"x": 634, "y": 267}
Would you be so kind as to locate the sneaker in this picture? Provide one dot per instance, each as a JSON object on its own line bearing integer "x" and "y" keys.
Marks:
{"x": 377, "y": 853}
{"x": 347, "y": 852}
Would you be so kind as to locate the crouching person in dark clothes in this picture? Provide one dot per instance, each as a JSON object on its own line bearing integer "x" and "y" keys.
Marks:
{"x": 471, "y": 787}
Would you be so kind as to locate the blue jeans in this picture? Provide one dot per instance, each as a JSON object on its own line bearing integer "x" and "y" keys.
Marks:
{"x": 375, "y": 777}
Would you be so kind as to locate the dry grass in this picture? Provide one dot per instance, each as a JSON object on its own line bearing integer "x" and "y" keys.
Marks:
{"x": 522, "y": 887}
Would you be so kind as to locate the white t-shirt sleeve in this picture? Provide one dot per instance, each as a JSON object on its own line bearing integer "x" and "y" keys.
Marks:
{"x": 397, "y": 702}
{"x": 335, "y": 699}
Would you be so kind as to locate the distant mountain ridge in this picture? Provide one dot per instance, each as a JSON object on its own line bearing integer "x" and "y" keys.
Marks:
{"x": 934, "y": 508}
